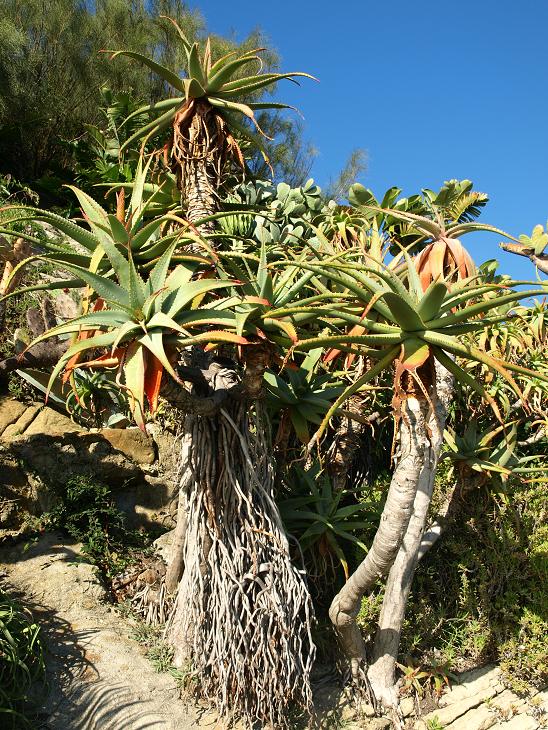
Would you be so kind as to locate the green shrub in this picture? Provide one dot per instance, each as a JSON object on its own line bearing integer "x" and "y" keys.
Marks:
{"x": 86, "y": 510}
{"x": 481, "y": 594}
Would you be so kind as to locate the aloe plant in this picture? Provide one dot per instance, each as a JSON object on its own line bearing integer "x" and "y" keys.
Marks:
{"x": 143, "y": 323}
{"x": 320, "y": 519}
{"x": 304, "y": 394}
{"x": 205, "y": 111}
{"x": 414, "y": 329}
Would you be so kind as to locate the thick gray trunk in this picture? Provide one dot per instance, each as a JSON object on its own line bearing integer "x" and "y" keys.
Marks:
{"x": 381, "y": 674}
{"x": 414, "y": 445}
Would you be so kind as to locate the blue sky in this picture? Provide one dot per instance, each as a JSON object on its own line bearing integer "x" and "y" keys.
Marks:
{"x": 430, "y": 90}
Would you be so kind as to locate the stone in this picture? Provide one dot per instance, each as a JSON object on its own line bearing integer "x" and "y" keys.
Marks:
{"x": 540, "y": 700}
{"x": 480, "y": 718}
{"x": 163, "y": 545}
{"x": 10, "y": 410}
{"x": 476, "y": 682}
{"x": 51, "y": 423}
{"x": 507, "y": 704}
{"x": 407, "y": 706}
{"x": 519, "y": 722}
{"x": 453, "y": 711}
{"x": 23, "y": 422}
{"x": 132, "y": 442}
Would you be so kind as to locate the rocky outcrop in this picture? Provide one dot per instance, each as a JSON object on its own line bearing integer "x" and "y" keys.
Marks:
{"x": 480, "y": 701}
{"x": 40, "y": 447}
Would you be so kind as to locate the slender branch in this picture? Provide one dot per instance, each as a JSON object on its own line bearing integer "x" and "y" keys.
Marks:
{"x": 43, "y": 355}
{"x": 541, "y": 261}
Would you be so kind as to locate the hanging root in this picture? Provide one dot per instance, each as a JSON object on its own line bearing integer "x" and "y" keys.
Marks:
{"x": 143, "y": 585}
{"x": 243, "y": 614}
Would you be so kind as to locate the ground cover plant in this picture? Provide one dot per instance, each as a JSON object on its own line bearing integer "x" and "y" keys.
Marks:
{"x": 349, "y": 386}
{"x": 21, "y": 661}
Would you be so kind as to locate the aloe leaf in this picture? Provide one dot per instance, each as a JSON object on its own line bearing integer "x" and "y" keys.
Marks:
{"x": 180, "y": 298}
{"x": 82, "y": 236}
{"x": 165, "y": 73}
{"x": 104, "y": 318}
{"x": 103, "y": 340}
{"x": 137, "y": 287}
{"x": 154, "y": 342}
{"x": 136, "y": 201}
{"x": 415, "y": 353}
{"x": 375, "y": 370}
{"x": 157, "y": 106}
{"x": 433, "y": 297}
{"x": 118, "y": 231}
{"x": 104, "y": 287}
{"x": 158, "y": 276}
{"x": 144, "y": 234}
{"x": 157, "y": 125}
{"x": 259, "y": 81}
{"x": 482, "y": 307}
{"x": 405, "y": 315}
{"x": 130, "y": 327}
{"x": 96, "y": 215}
{"x": 225, "y": 71}
{"x": 195, "y": 68}
{"x": 50, "y": 286}
{"x": 134, "y": 374}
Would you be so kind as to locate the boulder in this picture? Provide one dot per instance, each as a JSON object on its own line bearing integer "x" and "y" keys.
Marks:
{"x": 132, "y": 442}
{"x": 10, "y": 410}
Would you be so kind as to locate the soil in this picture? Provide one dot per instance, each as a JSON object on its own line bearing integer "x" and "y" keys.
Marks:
{"x": 98, "y": 677}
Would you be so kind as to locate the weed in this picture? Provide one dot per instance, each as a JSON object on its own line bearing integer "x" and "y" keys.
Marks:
{"x": 87, "y": 512}
{"x": 21, "y": 662}
{"x": 434, "y": 724}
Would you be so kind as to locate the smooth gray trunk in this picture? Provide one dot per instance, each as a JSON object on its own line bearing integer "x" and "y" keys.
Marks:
{"x": 413, "y": 453}
{"x": 381, "y": 673}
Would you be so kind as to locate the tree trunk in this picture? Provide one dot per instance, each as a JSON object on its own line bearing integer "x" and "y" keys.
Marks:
{"x": 381, "y": 673}
{"x": 414, "y": 445}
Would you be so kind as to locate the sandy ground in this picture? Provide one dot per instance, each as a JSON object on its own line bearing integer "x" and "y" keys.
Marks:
{"x": 98, "y": 677}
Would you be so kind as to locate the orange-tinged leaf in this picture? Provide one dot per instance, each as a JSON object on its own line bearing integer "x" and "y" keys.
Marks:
{"x": 153, "y": 380}
{"x": 414, "y": 353}
{"x": 134, "y": 372}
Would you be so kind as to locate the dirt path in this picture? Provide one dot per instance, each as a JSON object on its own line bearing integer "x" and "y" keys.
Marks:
{"x": 98, "y": 677}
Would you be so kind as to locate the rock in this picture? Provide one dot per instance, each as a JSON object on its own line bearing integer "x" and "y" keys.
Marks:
{"x": 480, "y": 718}
{"x": 540, "y": 700}
{"x": 520, "y": 722}
{"x": 367, "y": 710}
{"x": 453, "y": 711}
{"x": 132, "y": 442}
{"x": 10, "y": 410}
{"x": 407, "y": 706}
{"x": 163, "y": 545}
{"x": 379, "y": 723}
{"x": 476, "y": 682}
{"x": 23, "y": 422}
{"x": 51, "y": 423}
{"x": 507, "y": 704}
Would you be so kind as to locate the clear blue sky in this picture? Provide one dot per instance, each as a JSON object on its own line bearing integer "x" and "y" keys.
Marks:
{"x": 431, "y": 90}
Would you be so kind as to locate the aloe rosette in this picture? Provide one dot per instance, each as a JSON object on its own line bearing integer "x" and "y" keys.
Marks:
{"x": 412, "y": 325}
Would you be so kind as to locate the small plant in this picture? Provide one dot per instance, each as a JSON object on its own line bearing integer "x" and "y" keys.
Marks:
{"x": 21, "y": 661}
{"x": 433, "y": 679}
{"x": 434, "y": 724}
{"x": 87, "y": 512}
